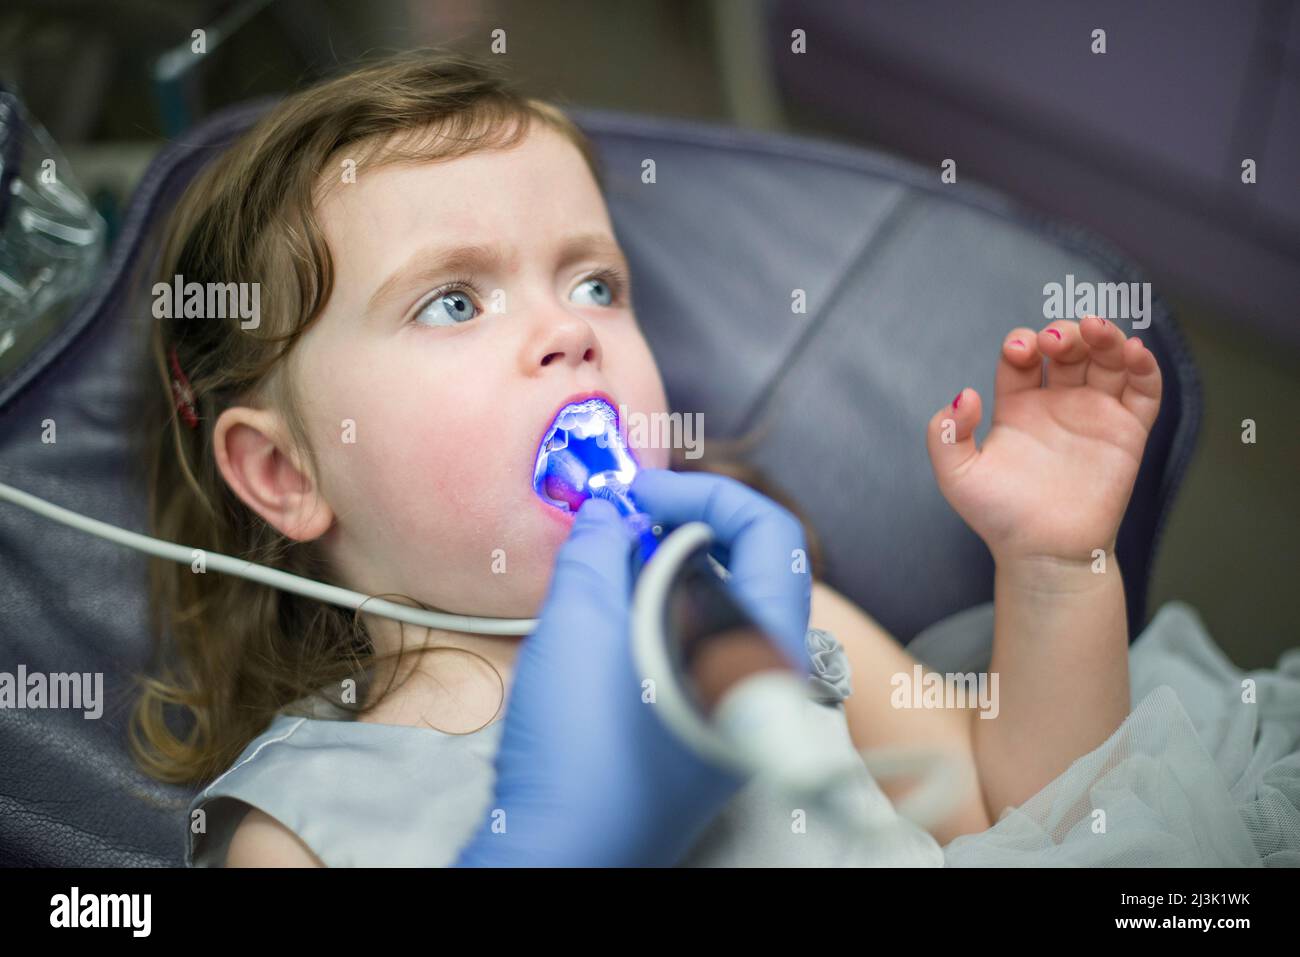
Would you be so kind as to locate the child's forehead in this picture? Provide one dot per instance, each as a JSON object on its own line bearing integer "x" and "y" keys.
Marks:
{"x": 430, "y": 152}
{"x": 542, "y": 180}
{"x": 531, "y": 198}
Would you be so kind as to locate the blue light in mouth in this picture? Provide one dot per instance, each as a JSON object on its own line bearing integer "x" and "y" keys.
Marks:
{"x": 583, "y": 455}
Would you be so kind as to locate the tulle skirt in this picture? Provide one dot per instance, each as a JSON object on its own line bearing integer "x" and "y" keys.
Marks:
{"x": 1205, "y": 771}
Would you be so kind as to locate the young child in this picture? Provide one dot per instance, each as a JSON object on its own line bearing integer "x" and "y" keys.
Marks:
{"x": 438, "y": 276}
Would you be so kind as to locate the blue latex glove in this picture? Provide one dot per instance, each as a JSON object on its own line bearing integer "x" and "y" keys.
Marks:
{"x": 587, "y": 773}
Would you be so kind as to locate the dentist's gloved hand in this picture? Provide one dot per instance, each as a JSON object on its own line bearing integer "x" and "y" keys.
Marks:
{"x": 587, "y": 773}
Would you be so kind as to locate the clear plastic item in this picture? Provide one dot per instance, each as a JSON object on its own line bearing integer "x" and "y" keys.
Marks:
{"x": 51, "y": 238}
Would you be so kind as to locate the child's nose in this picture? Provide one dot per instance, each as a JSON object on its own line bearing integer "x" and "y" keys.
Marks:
{"x": 562, "y": 339}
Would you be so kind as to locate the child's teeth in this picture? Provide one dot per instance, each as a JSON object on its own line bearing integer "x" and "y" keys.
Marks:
{"x": 559, "y": 440}
{"x": 582, "y": 422}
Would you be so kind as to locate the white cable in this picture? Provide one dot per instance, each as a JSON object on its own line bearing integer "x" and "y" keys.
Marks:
{"x": 285, "y": 581}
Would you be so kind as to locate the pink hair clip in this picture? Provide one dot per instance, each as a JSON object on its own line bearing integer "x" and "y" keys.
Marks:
{"x": 182, "y": 391}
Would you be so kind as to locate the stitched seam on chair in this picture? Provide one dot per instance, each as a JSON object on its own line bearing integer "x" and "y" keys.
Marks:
{"x": 258, "y": 750}
{"x": 867, "y": 251}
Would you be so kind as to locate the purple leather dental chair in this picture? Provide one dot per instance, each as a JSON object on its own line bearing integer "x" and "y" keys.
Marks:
{"x": 910, "y": 287}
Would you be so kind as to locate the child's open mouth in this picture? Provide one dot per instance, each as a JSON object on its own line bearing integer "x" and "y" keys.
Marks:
{"x": 581, "y": 449}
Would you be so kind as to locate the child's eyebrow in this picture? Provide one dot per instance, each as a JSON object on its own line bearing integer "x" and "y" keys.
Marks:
{"x": 430, "y": 262}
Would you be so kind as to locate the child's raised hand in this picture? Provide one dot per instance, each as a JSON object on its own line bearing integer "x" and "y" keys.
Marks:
{"x": 1055, "y": 472}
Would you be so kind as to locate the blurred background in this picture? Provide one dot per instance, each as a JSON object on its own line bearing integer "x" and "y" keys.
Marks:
{"x": 1143, "y": 144}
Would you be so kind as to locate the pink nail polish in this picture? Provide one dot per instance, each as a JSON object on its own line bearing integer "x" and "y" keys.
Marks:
{"x": 958, "y": 399}
{"x": 1055, "y": 333}
{"x": 1018, "y": 342}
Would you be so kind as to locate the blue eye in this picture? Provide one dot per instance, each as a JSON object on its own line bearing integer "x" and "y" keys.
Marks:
{"x": 449, "y": 307}
{"x": 599, "y": 289}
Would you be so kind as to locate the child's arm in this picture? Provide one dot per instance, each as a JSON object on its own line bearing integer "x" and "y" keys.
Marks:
{"x": 1060, "y": 651}
{"x": 1046, "y": 492}
{"x": 874, "y": 658}
{"x": 262, "y": 841}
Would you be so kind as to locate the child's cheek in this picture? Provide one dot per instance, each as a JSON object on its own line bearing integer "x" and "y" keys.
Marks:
{"x": 455, "y": 471}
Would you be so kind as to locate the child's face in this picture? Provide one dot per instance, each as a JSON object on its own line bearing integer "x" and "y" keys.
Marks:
{"x": 450, "y": 399}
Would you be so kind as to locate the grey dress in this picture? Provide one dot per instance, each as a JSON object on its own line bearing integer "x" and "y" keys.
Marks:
{"x": 363, "y": 794}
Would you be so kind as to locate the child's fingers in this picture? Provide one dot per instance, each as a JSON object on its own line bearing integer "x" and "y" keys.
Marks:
{"x": 1067, "y": 354}
{"x": 951, "y": 434}
{"x": 1021, "y": 364}
{"x": 1106, "y": 369}
{"x": 1142, "y": 391}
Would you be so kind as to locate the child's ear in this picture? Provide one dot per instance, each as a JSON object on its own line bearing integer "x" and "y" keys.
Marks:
{"x": 257, "y": 460}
